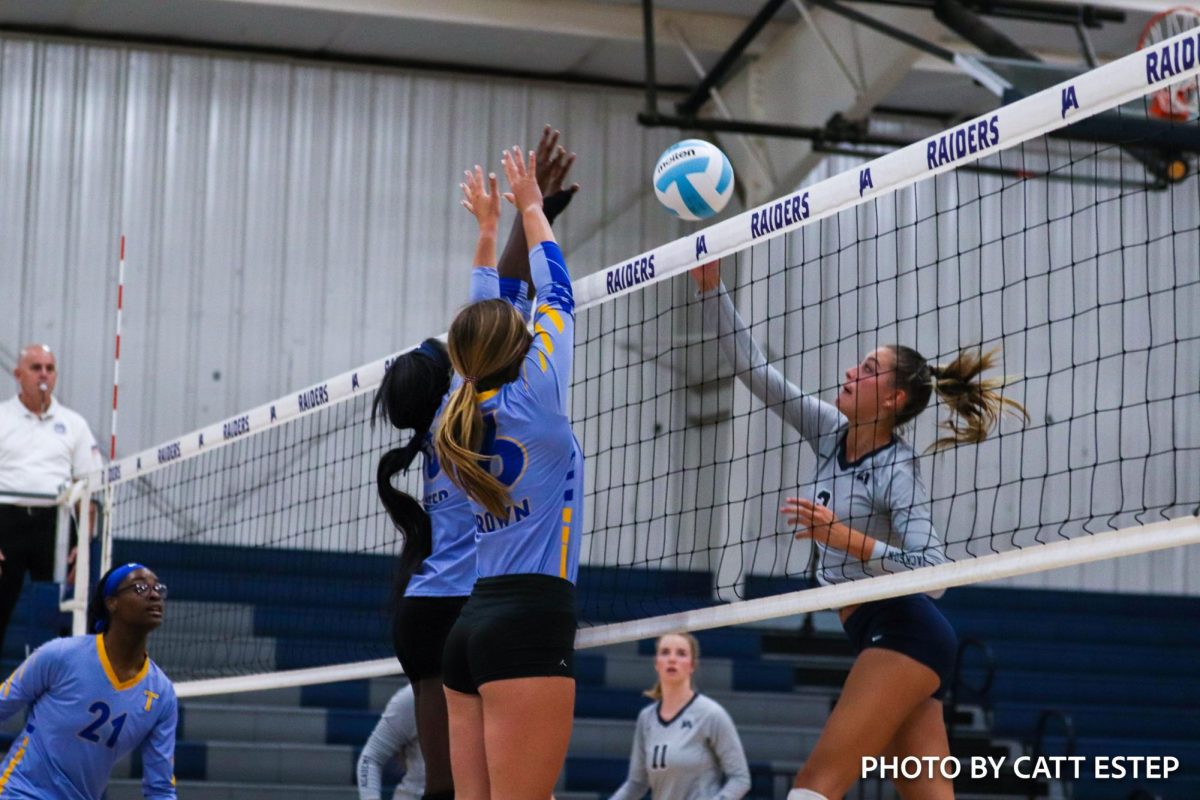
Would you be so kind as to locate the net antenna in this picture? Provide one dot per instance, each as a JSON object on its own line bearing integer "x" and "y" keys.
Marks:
{"x": 269, "y": 526}
{"x": 1180, "y": 101}
{"x": 106, "y": 541}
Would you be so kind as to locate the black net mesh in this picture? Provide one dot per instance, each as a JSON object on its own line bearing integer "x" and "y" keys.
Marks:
{"x": 1074, "y": 259}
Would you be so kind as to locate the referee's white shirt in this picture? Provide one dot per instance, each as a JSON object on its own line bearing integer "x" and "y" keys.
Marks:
{"x": 39, "y": 456}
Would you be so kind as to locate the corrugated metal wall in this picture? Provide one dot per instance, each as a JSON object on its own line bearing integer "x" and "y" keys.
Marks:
{"x": 287, "y": 221}
{"x": 284, "y": 221}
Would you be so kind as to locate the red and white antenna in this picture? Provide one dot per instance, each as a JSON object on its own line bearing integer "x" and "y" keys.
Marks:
{"x": 112, "y": 448}
{"x": 1180, "y": 101}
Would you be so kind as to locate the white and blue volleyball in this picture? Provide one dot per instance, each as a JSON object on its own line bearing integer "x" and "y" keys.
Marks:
{"x": 693, "y": 179}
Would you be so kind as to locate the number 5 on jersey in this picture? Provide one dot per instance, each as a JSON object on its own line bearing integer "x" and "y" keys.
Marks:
{"x": 507, "y": 462}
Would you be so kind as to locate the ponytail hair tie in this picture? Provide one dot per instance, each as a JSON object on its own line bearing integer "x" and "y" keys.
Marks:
{"x": 469, "y": 379}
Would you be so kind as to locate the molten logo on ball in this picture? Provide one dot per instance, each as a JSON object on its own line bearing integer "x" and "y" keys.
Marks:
{"x": 693, "y": 179}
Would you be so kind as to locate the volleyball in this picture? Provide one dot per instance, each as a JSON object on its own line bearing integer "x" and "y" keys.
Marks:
{"x": 693, "y": 179}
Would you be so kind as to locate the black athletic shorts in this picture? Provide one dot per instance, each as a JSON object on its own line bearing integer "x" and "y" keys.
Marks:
{"x": 419, "y": 633}
{"x": 910, "y": 625}
{"x": 513, "y": 626}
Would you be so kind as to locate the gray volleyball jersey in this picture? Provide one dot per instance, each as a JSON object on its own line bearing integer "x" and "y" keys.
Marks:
{"x": 695, "y": 756}
{"x": 395, "y": 736}
{"x": 880, "y": 495}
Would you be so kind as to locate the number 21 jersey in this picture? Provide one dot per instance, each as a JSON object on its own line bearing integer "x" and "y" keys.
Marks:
{"x": 82, "y": 720}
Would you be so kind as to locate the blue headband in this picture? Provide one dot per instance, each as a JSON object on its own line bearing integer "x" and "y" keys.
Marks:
{"x": 119, "y": 574}
{"x": 432, "y": 351}
{"x": 114, "y": 581}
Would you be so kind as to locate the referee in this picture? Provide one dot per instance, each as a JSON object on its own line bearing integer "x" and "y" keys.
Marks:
{"x": 43, "y": 446}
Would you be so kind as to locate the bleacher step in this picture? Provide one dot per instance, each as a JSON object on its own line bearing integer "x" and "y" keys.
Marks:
{"x": 262, "y": 763}
{"x": 216, "y": 790}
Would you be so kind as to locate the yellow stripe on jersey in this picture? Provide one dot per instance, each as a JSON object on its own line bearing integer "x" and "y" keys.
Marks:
{"x": 542, "y": 361}
{"x": 553, "y": 315}
{"x": 547, "y": 342}
{"x": 488, "y": 395}
{"x": 17, "y": 674}
{"x": 566, "y": 538}
{"x": 111, "y": 673}
{"x": 12, "y": 764}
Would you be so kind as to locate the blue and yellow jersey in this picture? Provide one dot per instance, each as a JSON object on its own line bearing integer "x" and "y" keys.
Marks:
{"x": 533, "y": 452}
{"x": 82, "y": 720}
{"x": 486, "y": 284}
{"x": 449, "y": 571}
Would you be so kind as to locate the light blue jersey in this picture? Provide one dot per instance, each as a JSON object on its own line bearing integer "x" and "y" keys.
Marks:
{"x": 449, "y": 571}
{"x": 82, "y": 720}
{"x": 533, "y": 451}
{"x": 486, "y": 284}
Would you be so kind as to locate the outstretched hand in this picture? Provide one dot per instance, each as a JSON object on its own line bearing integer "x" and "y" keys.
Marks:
{"x": 481, "y": 198}
{"x": 553, "y": 163}
{"x": 707, "y": 276}
{"x": 524, "y": 191}
{"x": 809, "y": 518}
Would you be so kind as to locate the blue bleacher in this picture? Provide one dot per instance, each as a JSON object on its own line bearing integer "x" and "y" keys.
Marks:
{"x": 35, "y": 619}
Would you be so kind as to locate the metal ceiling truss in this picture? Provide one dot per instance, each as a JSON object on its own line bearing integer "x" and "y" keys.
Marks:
{"x": 1161, "y": 144}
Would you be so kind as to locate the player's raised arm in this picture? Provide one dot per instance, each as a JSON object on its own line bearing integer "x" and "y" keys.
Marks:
{"x": 554, "y": 311}
{"x": 481, "y": 198}
{"x": 553, "y": 165}
{"x": 814, "y": 420}
{"x": 526, "y": 195}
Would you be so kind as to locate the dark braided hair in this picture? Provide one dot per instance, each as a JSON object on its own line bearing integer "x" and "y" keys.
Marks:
{"x": 408, "y": 397}
{"x": 976, "y": 401}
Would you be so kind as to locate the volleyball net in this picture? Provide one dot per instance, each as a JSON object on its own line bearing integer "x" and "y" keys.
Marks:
{"x": 1076, "y": 258}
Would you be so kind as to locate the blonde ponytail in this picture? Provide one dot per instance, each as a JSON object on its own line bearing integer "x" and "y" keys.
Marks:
{"x": 487, "y": 342}
{"x": 977, "y": 402}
